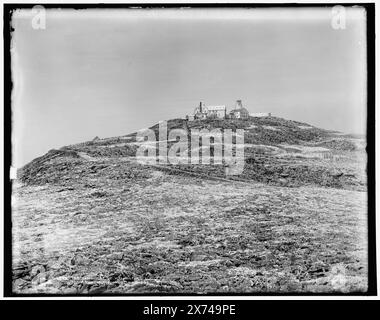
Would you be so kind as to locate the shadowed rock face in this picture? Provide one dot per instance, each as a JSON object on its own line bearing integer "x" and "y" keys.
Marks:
{"x": 89, "y": 219}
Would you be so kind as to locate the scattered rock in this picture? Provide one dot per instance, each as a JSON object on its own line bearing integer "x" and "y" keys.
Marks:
{"x": 97, "y": 289}
{"x": 40, "y": 278}
{"x": 80, "y": 261}
{"x": 115, "y": 256}
{"x": 123, "y": 275}
{"x": 70, "y": 290}
{"x": 36, "y": 270}
{"x": 198, "y": 257}
{"x": 19, "y": 284}
{"x": 21, "y": 271}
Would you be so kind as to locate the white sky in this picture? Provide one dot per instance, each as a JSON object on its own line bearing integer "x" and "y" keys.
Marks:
{"x": 111, "y": 72}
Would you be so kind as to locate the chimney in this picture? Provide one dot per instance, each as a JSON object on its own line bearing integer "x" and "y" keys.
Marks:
{"x": 238, "y": 104}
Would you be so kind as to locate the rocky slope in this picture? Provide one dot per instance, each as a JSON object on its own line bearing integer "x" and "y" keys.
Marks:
{"x": 89, "y": 219}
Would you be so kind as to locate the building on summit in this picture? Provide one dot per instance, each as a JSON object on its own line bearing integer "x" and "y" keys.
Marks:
{"x": 203, "y": 112}
{"x": 239, "y": 112}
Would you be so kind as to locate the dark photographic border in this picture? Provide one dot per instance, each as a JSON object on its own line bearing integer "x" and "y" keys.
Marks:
{"x": 370, "y": 33}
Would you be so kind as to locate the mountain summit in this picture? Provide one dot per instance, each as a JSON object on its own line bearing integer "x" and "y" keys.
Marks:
{"x": 88, "y": 218}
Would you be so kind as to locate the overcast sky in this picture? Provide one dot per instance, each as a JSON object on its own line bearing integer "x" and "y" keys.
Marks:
{"x": 109, "y": 73}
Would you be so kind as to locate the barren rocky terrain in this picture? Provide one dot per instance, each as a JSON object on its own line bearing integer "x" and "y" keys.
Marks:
{"x": 89, "y": 219}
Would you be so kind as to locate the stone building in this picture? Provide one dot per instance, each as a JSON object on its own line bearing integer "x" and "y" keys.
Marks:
{"x": 239, "y": 112}
{"x": 206, "y": 112}
{"x": 203, "y": 112}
